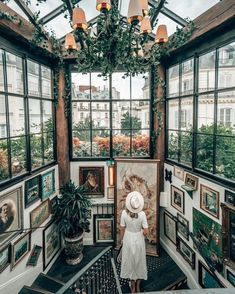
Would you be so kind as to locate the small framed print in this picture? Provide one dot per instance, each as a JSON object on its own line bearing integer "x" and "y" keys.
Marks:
{"x": 177, "y": 199}
{"x": 32, "y": 191}
{"x": 182, "y": 226}
{"x": 178, "y": 173}
{"x": 170, "y": 226}
{"x": 48, "y": 184}
{"x": 230, "y": 197}
{"x": 92, "y": 180}
{"x": 39, "y": 214}
{"x": 20, "y": 249}
{"x": 209, "y": 201}
{"x": 103, "y": 228}
{"x": 206, "y": 278}
{"x": 187, "y": 253}
{"x": 191, "y": 181}
{"x": 33, "y": 258}
{"x": 231, "y": 277}
{"x": 110, "y": 193}
{"x": 4, "y": 257}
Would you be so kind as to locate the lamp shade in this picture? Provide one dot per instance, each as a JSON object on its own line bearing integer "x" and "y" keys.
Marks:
{"x": 144, "y": 7}
{"x": 161, "y": 34}
{"x": 70, "y": 42}
{"x": 79, "y": 19}
{"x": 134, "y": 14}
{"x": 103, "y": 5}
{"x": 145, "y": 27}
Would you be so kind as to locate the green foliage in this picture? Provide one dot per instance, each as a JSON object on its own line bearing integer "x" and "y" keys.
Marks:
{"x": 71, "y": 211}
{"x": 130, "y": 123}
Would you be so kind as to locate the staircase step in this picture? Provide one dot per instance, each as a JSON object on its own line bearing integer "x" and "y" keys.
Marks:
{"x": 47, "y": 283}
{"x": 32, "y": 290}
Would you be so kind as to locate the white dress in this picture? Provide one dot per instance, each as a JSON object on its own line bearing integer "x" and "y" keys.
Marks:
{"x": 133, "y": 264}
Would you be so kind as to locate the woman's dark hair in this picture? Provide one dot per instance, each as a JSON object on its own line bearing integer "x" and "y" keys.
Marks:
{"x": 132, "y": 214}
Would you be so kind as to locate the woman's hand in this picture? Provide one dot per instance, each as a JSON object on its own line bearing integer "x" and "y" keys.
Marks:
{"x": 145, "y": 232}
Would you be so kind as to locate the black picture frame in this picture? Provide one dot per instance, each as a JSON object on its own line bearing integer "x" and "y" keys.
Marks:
{"x": 177, "y": 199}
{"x": 206, "y": 278}
{"x": 187, "y": 253}
{"x": 229, "y": 197}
{"x": 182, "y": 226}
{"x": 170, "y": 227}
{"x": 32, "y": 191}
{"x": 231, "y": 277}
{"x": 5, "y": 257}
{"x": 103, "y": 225}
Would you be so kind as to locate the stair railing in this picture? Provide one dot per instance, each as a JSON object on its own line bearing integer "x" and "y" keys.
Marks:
{"x": 98, "y": 276}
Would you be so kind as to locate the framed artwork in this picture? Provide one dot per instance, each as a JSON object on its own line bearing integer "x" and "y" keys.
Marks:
{"x": 53, "y": 203}
{"x": 48, "y": 184}
{"x": 103, "y": 228}
{"x": 177, "y": 198}
{"x": 208, "y": 238}
{"x": 4, "y": 257}
{"x": 110, "y": 193}
{"x": 170, "y": 226}
{"x": 231, "y": 277}
{"x": 20, "y": 249}
{"x": 11, "y": 215}
{"x": 178, "y": 172}
{"x": 191, "y": 181}
{"x": 142, "y": 176}
{"x": 33, "y": 258}
{"x": 92, "y": 180}
{"x": 39, "y": 214}
{"x": 209, "y": 201}
{"x": 32, "y": 191}
{"x": 206, "y": 278}
{"x": 51, "y": 243}
{"x": 182, "y": 226}
{"x": 230, "y": 197}
{"x": 187, "y": 253}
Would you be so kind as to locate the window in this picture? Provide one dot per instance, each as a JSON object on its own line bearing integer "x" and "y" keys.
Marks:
{"x": 212, "y": 102}
{"x": 115, "y": 123}
{"x": 26, "y": 116}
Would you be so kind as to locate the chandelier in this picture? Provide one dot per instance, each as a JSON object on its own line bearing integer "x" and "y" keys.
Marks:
{"x": 116, "y": 41}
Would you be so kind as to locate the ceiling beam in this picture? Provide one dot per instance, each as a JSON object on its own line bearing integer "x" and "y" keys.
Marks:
{"x": 26, "y": 11}
{"x": 54, "y": 13}
{"x": 70, "y": 6}
{"x": 157, "y": 11}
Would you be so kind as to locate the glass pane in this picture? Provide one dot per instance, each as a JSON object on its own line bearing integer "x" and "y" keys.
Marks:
{"x": 226, "y": 113}
{"x": 18, "y": 155}
{"x": 120, "y": 86}
{"x": 1, "y": 71}
{"x": 140, "y": 144}
{"x": 206, "y": 81}
{"x": 48, "y": 147}
{"x": 16, "y": 116}
{"x": 143, "y": 113}
{"x": 140, "y": 87}
{"x": 226, "y": 75}
{"x": 33, "y": 78}
{"x": 100, "y": 143}
{"x": 34, "y": 116}
{"x": 206, "y": 114}
{"x": 100, "y": 115}
{"x": 122, "y": 117}
{"x": 173, "y": 145}
{"x": 46, "y": 82}
{"x": 187, "y": 77}
{"x": 81, "y": 115}
{"x": 3, "y": 160}
{"x": 36, "y": 150}
{"x": 60, "y": 26}
{"x": 3, "y": 124}
{"x": 99, "y": 87}
{"x": 186, "y": 148}
{"x": 80, "y": 86}
{"x": 90, "y": 8}
{"x": 186, "y": 118}
{"x": 173, "y": 81}
{"x": 173, "y": 114}
{"x": 15, "y": 81}
{"x": 121, "y": 143}
{"x": 43, "y": 6}
{"x": 136, "y": 123}
{"x": 116, "y": 115}
{"x": 47, "y": 116}
{"x": 225, "y": 157}
{"x": 204, "y": 152}
{"x": 82, "y": 144}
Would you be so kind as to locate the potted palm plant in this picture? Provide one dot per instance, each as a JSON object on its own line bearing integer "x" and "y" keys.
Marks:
{"x": 71, "y": 215}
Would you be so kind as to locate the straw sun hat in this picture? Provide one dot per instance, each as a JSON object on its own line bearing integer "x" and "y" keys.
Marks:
{"x": 134, "y": 202}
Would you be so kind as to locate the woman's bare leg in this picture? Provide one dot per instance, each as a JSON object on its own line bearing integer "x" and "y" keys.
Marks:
{"x": 138, "y": 286}
{"x": 133, "y": 286}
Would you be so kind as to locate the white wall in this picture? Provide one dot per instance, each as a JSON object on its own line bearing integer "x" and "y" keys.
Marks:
{"x": 192, "y": 275}
{"x": 12, "y": 280}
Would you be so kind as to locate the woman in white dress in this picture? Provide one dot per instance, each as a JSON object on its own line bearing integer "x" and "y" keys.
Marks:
{"x": 134, "y": 228}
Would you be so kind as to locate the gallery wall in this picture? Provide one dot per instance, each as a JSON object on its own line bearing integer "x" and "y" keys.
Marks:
{"x": 14, "y": 276}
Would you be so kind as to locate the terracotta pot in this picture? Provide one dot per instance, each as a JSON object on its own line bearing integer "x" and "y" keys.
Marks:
{"x": 73, "y": 249}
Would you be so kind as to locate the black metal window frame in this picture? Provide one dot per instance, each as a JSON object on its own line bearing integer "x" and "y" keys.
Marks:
{"x": 25, "y": 96}
{"x": 111, "y": 129}
{"x": 216, "y": 91}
